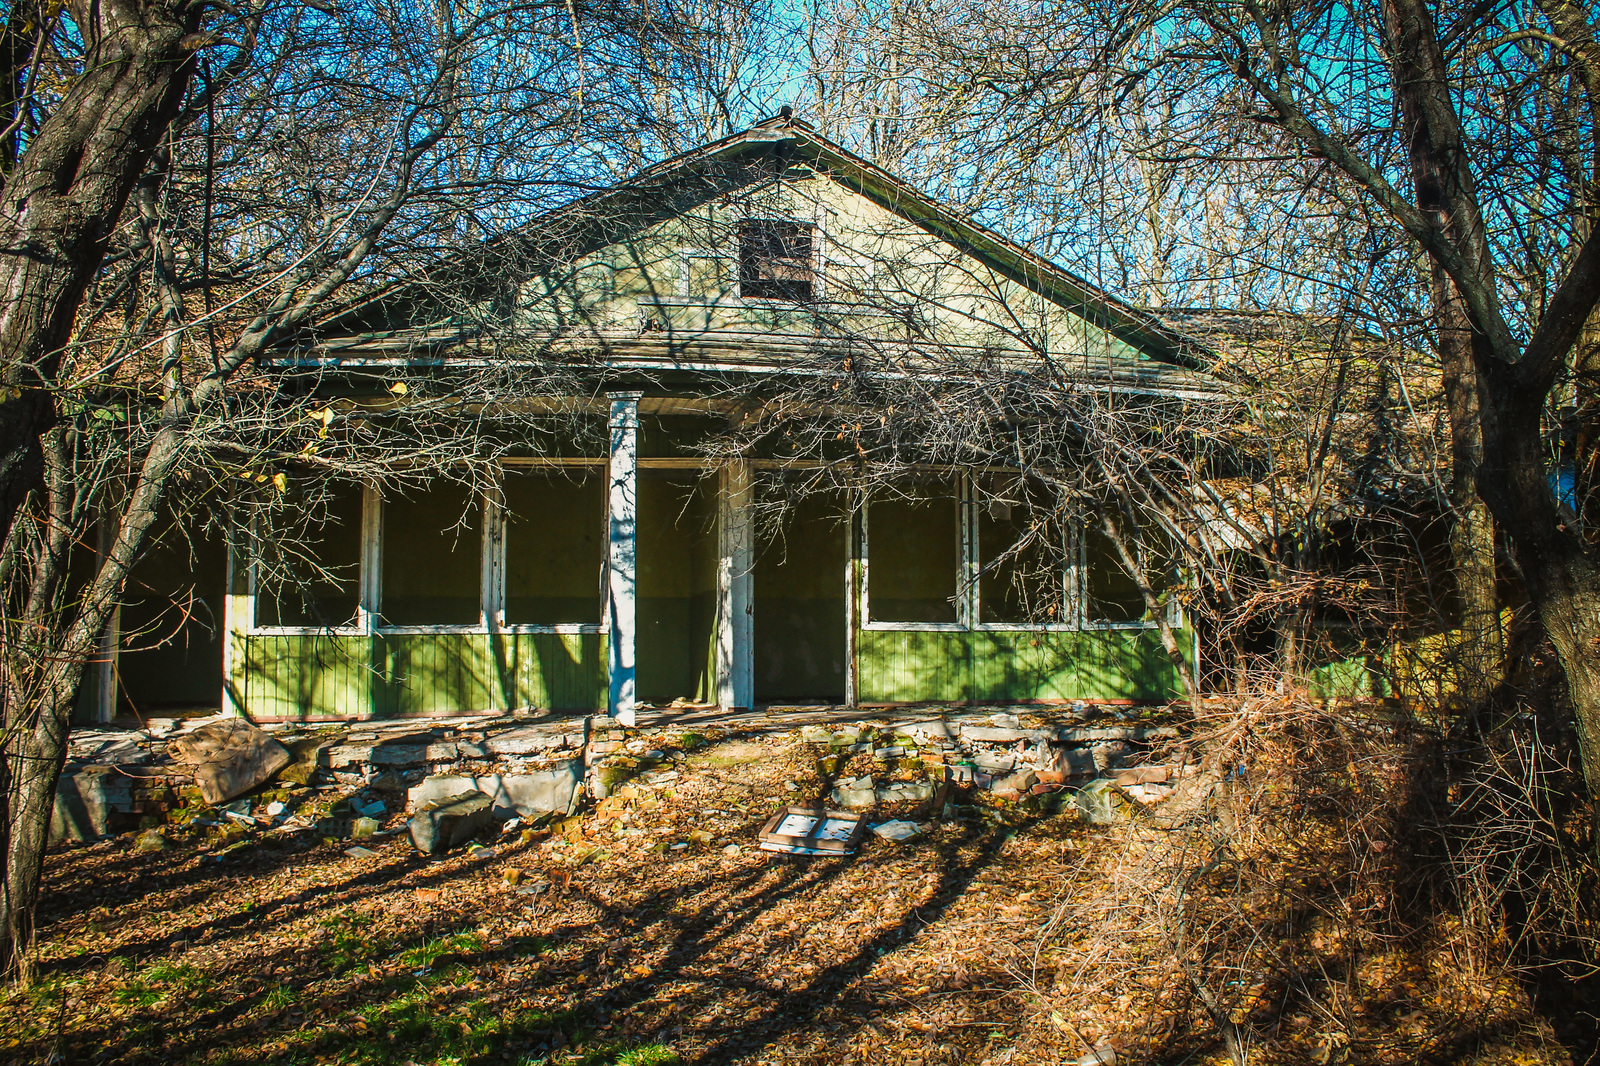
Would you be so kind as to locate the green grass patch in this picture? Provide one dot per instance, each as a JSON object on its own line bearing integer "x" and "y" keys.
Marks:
{"x": 351, "y": 943}
{"x": 429, "y": 952}
{"x": 423, "y": 1024}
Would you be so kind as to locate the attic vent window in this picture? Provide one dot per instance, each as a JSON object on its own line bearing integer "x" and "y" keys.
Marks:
{"x": 775, "y": 260}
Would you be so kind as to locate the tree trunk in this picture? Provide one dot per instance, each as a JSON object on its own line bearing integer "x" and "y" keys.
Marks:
{"x": 30, "y": 767}
{"x": 61, "y": 203}
{"x": 1446, "y": 196}
{"x": 1479, "y": 653}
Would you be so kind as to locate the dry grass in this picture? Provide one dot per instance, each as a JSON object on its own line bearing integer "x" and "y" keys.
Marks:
{"x": 1292, "y": 898}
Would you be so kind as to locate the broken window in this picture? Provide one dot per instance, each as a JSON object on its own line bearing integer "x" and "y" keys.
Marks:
{"x": 432, "y": 557}
{"x": 323, "y": 590}
{"x": 775, "y": 260}
{"x": 1113, "y": 595}
{"x": 914, "y": 544}
{"x": 555, "y": 547}
{"x": 1021, "y": 579}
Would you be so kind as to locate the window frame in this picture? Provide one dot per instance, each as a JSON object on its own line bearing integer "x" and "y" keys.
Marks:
{"x": 491, "y": 571}
{"x": 495, "y": 551}
{"x": 360, "y": 626}
{"x": 969, "y": 605}
{"x": 814, "y": 229}
{"x": 963, "y": 568}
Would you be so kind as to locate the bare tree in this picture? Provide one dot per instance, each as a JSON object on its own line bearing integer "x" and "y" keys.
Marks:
{"x": 215, "y": 216}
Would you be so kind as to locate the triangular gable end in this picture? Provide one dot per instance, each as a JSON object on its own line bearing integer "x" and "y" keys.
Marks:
{"x": 753, "y": 249}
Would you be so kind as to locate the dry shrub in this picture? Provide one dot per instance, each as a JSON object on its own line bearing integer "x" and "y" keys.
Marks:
{"x": 1326, "y": 886}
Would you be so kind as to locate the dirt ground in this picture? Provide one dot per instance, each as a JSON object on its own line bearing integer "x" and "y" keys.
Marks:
{"x": 652, "y": 930}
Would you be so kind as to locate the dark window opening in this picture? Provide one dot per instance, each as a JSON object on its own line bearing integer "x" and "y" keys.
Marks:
{"x": 775, "y": 260}
{"x": 914, "y": 548}
{"x": 432, "y": 557}
{"x": 1114, "y": 596}
{"x": 324, "y": 590}
{"x": 1021, "y": 551}
{"x": 555, "y": 547}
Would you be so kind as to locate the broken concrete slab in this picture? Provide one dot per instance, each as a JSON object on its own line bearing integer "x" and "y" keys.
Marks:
{"x": 1002, "y": 762}
{"x": 858, "y": 792}
{"x": 906, "y": 792}
{"x": 528, "y": 740}
{"x": 230, "y": 757}
{"x": 85, "y": 802}
{"x": 390, "y": 754}
{"x": 455, "y": 821}
{"x": 1090, "y": 734}
{"x": 990, "y": 734}
{"x": 1100, "y": 802}
{"x": 535, "y": 792}
{"x": 307, "y": 755}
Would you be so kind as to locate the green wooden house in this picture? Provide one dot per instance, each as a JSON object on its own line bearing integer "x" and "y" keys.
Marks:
{"x": 631, "y": 571}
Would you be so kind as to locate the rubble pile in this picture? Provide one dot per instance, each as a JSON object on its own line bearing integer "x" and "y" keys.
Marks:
{"x": 1079, "y": 754}
{"x": 447, "y": 782}
{"x": 186, "y": 773}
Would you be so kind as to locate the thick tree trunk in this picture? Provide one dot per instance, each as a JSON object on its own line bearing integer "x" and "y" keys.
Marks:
{"x": 1563, "y": 580}
{"x": 30, "y": 765}
{"x": 1447, "y": 198}
{"x": 61, "y": 202}
{"x": 1479, "y": 653}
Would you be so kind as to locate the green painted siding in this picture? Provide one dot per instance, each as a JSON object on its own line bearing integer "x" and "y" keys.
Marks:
{"x": 391, "y": 676}
{"x": 1000, "y": 667}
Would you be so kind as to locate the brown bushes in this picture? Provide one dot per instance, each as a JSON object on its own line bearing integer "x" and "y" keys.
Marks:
{"x": 1331, "y": 886}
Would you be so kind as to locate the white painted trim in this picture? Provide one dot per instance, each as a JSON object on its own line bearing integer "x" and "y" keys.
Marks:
{"x": 852, "y": 599}
{"x": 622, "y": 556}
{"x": 735, "y": 589}
{"x": 967, "y": 555}
{"x": 238, "y": 613}
{"x": 371, "y": 589}
{"x": 105, "y": 693}
{"x": 492, "y": 564}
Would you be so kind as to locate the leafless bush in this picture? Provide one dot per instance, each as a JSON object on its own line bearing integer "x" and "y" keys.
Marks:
{"x": 1314, "y": 869}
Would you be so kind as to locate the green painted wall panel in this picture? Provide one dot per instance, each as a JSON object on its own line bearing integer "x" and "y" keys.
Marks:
{"x": 1000, "y": 667}
{"x": 303, "y": 676}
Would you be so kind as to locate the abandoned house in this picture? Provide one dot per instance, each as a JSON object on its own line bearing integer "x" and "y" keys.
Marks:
{"x": 624, "y": 567}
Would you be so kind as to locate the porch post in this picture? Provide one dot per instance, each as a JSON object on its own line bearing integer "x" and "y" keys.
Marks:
{"x": 238, "y": 614}
{"x": 105, "y": 674}
{"x": 735, "y": 588}
{"x": 622, "y": 555}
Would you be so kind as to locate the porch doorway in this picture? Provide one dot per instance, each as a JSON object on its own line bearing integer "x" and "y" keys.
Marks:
{"x": 677, "y": 586}
{"x": 800, "y": 619}
{"x": 170, "y": 634}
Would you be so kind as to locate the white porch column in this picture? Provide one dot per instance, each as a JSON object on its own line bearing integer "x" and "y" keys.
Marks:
{"x": 238, "y": 614}
{"x": 735, "y": 589}
{"x": 622, "y": 554}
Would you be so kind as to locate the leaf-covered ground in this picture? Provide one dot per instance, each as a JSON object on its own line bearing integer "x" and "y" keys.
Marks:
{"x": 993, "y": 939}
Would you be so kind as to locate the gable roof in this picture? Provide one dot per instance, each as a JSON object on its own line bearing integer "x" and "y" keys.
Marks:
{"x": 786, "y": 140}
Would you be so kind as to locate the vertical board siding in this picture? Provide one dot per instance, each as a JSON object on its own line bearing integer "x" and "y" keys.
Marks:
{"x": 398, "y": 675}
{"x": 899, "y": 667}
